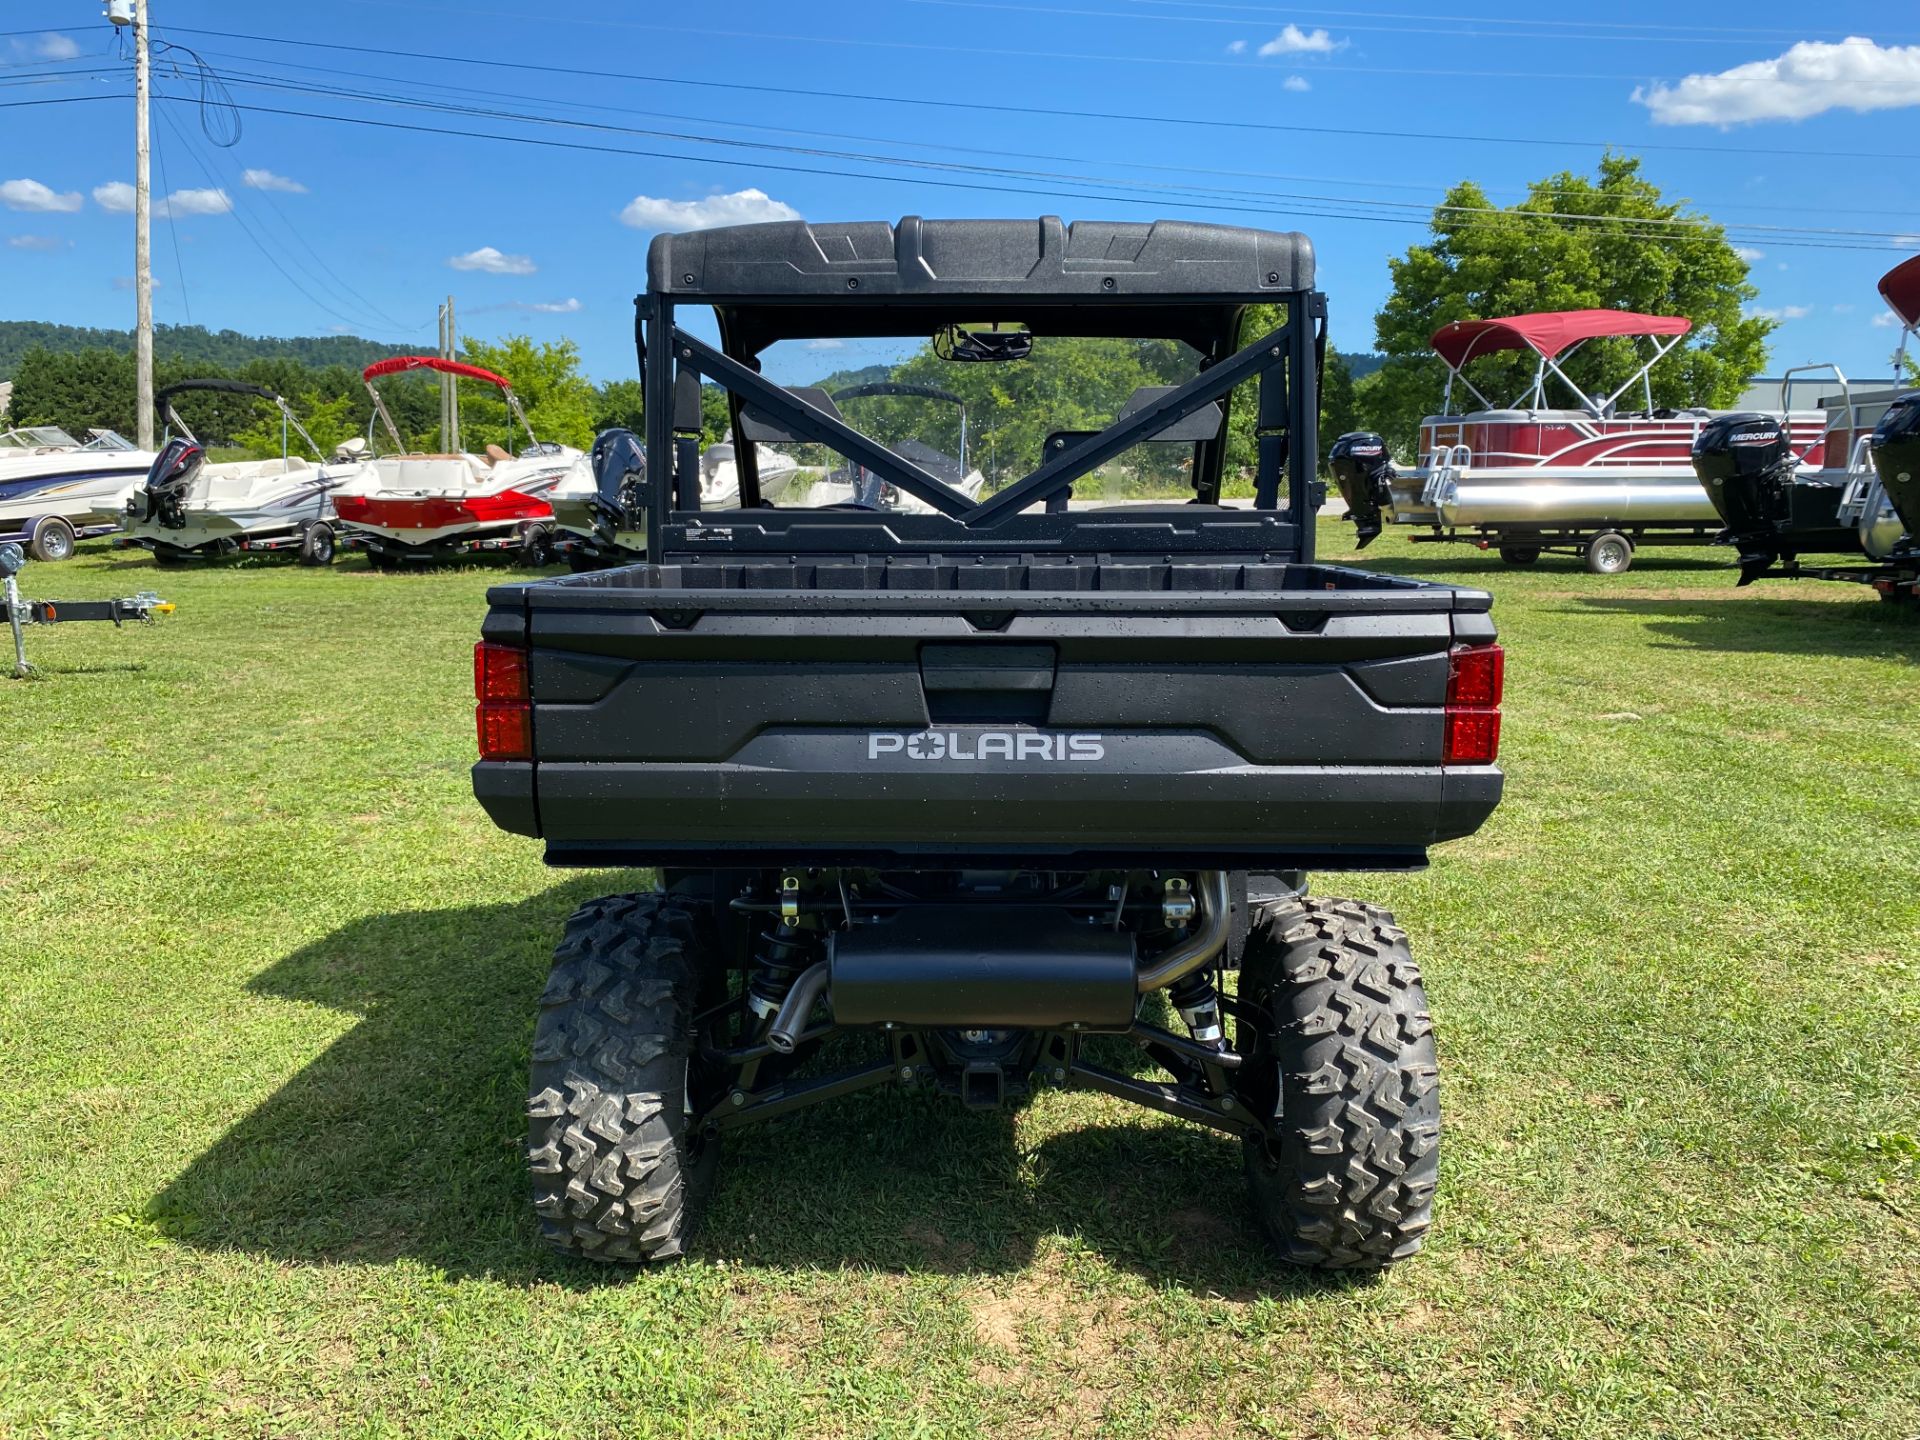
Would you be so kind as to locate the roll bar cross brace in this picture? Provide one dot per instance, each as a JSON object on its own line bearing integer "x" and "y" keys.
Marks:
{"x": 1286, "y": 442}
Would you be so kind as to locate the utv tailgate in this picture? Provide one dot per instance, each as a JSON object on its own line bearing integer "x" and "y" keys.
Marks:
{"x": 1236, "y": 716}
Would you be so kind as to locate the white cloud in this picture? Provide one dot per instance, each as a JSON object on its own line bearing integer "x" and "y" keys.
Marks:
{"x": 1295, "y": 41}
{"x": 824, "y": 344}
{"x": 1782, "y": 312}
{"x": 1906, "y": 242}
{"x": 125, "y": 282}
{"x": 193, "y": 202}
{"x": 569, "y": 306}
{"x": 37, "y": 242}
{"x": 38, "y": 199}
{"x": 1236, "y": 47}
{"x": 1296, "y": 83}
{"x": 56, "y": 47}
{"x": 116, "y": 197}
{"x": 1886, "y": 320}
{"x": 742, "y": 207}
{"x": 491, "y": 261}
{"x": 1811, "y": 78}
{"x": 267, "y": 180}
{"x": 1749, "y": 254}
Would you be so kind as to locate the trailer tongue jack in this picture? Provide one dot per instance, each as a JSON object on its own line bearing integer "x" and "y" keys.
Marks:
{"x": 139, "y": 608}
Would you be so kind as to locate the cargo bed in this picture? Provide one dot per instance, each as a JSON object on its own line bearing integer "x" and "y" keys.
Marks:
{"x": 989, "y": 711}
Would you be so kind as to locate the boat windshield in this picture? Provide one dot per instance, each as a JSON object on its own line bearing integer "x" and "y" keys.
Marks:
{"x": 106, "y": 440}
{"x": 39, "y": 437}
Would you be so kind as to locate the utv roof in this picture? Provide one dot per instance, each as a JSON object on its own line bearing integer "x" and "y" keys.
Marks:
{"x": 884, "y": 278}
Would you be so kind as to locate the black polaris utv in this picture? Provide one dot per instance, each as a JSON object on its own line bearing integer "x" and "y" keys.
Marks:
{"x": 990, "y": 790}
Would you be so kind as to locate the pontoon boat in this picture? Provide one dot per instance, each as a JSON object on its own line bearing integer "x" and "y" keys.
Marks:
{"x": 1864, "y": 505}
{"x": 1588, "y": 478}
{"x": 191, "y": 508}
{"x": 427, "y": 507}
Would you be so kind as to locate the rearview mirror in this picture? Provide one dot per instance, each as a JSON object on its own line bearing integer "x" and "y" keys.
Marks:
{"x": 982, "y": 346}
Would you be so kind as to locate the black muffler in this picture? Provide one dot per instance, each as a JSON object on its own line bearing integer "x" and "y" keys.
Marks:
{"x": 982, "y": 967}
{"x": 1364, "y": 472}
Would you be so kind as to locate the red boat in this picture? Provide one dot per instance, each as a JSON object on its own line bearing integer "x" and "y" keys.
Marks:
{"x": 1585, "y": 476}
{"x": 427, "y": 507}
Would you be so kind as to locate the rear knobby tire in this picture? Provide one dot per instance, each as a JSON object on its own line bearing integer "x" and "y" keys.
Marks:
{"x": 1346, "y": 1076}
{"x": 619, "y": 1173}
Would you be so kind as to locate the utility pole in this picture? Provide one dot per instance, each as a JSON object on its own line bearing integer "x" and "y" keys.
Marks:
{"x": 134, "y": 13}
{"x": 449, "y": 385}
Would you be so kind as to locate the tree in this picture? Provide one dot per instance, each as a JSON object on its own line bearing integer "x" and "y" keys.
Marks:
{"x": 620, "y": 404}
{"x": 1574, "y": 243}
{"x": 546, "y": 377}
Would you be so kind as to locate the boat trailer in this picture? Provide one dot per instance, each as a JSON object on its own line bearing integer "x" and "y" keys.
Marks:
{"x": 138, "y": 609}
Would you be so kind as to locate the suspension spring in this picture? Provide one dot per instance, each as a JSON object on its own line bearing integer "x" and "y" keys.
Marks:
{"x": 783, "y": 952}
{"x": 1198, "y": 1002}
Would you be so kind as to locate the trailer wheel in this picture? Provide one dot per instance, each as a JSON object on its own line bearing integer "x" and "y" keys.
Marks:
{"x": 1342, "y": 1069}
{"x": 1519, "y": 554}
{"x": 171, "y": 557}
{"x": 536, "y": 549}
{"x": 619, "y": 1171}
{"x": 52, "y": 540}
{"x": 1609, "y": 554}
{"x": 317, "y": 544}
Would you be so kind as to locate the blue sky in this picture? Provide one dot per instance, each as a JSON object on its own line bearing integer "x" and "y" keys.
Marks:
{"x": 373, "y": 226}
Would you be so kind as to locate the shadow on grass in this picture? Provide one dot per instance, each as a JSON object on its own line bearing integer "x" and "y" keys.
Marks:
{"x": 1466, "y": 563}
{"x": 1870, "y": 629}
{"x": 405, "y": 1139}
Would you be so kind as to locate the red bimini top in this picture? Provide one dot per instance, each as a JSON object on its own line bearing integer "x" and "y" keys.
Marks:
{"x": 1551, "y": 333}
{"x": 1900, "y": 288}
{"x": 398, "y": 363}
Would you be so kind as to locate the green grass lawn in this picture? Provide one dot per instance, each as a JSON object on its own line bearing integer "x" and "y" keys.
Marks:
{"x": 267, "y": 984}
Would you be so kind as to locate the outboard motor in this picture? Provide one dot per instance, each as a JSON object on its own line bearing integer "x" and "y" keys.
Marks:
{"x": 620, "y": 476}
{"x": 1747, "y": 464}
{"x": 1896, "y": 456}
{"x": 1362, "y": 469}
{"x": 174, "y": 470}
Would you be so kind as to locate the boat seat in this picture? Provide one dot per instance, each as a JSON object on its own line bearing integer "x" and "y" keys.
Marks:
{"x": 433, "y": 473}
{"x": 497, "y": 454}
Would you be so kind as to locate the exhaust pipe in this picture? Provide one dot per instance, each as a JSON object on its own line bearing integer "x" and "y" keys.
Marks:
{"x": 785, "y": 1031}
{"x": 1200, "y": 948}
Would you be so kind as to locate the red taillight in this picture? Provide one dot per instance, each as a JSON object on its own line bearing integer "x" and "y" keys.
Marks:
{"x": 505, "y": 714}
{"x": 1474, "y": 687}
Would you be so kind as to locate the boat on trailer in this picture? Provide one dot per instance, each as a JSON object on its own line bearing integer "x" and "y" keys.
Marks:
{"x": 1864, "y": 505}
{"x": 55, "y": 490}
{"x": 191, "y": 508}
{"x": 425, "y": 507}
{"x": 1589, "y": 478}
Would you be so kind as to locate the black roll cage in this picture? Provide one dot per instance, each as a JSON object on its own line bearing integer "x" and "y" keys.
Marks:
{"x": 1284, "y": 362}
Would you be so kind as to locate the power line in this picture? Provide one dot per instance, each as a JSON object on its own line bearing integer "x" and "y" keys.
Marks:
{"x": 1054, "y": 113}
{"x": 1774, "y": 233}
{"x": 276, "y": 69}
{"x": 1626, "y": 226}
{"x": 1640, "y": 37}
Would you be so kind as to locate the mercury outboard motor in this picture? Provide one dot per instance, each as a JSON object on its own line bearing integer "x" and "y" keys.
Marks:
{"x": 172, "y": 475}
{"x": 1896, "y": 456}
{"x": 1747, "y": 464}
{"x": 620, "y": 476}
{"x": 1362, "y": 469}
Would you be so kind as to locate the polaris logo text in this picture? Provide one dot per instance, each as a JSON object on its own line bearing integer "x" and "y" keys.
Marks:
{"x": 1010, "y": 745}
